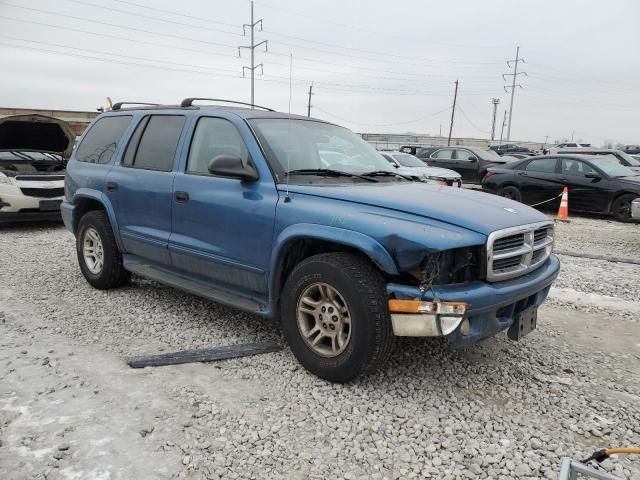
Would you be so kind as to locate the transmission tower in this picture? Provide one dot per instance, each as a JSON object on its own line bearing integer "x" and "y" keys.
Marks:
{"x": 513, "y": 85}
{"x": 252, "y": 48}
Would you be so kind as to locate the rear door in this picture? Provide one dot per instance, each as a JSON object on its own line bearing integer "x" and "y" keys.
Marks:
{"x": 141, "y": 186}
{"x": 585, "y": 194}
{"x": 539, "y": 182}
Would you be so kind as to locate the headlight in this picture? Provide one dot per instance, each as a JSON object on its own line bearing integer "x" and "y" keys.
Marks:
{"x": 5, "y": 179}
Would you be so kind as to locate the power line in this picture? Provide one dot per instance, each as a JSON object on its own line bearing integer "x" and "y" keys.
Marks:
{"x": 464, "y": 114}
{"x": 513, "y": 85}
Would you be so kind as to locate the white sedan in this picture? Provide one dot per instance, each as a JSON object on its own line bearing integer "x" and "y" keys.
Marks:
{"x": 411, "y": 166}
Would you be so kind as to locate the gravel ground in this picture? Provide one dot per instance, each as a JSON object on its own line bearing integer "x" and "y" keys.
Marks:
{"x": 71, "y": 408}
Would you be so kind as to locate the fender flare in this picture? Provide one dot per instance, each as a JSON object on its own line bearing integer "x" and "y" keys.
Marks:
{"x": 367, "y": 245}
{"x": 106, "y": 204}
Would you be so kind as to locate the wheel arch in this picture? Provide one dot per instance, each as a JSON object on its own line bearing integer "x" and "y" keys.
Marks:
{"x": 86, "y": 200}
{"x": 616, "y": 196}
{"x": 301, "y": 241}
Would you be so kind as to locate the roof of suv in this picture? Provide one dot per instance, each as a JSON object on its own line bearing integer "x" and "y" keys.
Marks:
{"x": 244, "y": 112}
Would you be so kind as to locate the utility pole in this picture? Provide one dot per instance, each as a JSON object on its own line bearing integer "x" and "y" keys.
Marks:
{"x": 513, "y": 85}
{"x": 252, "y": 48}
{"x": 572, "y": 134}
{"x": 495, "y": 102}
{"x": 440, "y": 131}
{"x": 504, "y": 121}
{"x": 453, "y": 111}
{"x": 309, "y": 102}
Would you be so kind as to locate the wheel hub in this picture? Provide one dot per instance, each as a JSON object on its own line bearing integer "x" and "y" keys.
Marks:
{"x": 93, "y": 251}
{"x": 324, "y": 320}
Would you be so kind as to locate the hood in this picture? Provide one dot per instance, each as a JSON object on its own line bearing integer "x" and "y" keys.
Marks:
{"x": 429, "y": 172}
{"x": 477, "y": 211}
{"x": 36, "y": 133}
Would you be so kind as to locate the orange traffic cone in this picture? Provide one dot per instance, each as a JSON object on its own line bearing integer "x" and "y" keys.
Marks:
{"x": 563, "y": 211}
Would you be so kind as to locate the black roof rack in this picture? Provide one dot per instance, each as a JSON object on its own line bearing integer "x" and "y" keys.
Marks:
{"x": 118, "y": 106}
{"x": 187, "y": 102}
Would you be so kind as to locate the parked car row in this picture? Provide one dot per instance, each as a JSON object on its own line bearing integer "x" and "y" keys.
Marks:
{"x": 413, "y": 167}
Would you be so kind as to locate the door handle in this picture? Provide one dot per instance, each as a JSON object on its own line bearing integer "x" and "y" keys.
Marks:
{"x": 181, "y": 197}
{"x": 112, "y": 186}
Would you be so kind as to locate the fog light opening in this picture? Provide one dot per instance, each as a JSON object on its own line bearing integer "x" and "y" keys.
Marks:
{"x": 465, "y": 328}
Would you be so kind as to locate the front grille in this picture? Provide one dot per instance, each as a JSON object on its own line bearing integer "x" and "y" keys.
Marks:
{"x": 40, "y": 178}
{"x": 43, "y": 192}
{"x": 515, "y": 251}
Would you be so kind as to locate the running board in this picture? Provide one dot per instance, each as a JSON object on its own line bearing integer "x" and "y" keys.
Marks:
{"x": 138, "y": 266}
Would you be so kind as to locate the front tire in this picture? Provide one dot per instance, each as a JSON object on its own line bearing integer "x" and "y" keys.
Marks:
{"x": 335, "y": 317}
{"x": 98, "y": 255}
{"x": 511, "y": 192}
{"x": 621, "y": 207}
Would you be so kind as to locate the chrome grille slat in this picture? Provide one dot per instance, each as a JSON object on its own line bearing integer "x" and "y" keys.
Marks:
{"x": 518, "y": 250}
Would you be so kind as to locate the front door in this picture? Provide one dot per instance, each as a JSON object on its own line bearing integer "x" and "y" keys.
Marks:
{"x": 222, "y": 227}
{"x": 588, "y": 189}
{"x": 467, "y": 164}
{"x": 141, "y": 187}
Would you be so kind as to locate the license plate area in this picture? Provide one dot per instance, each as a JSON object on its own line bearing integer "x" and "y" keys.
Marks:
{"x": 524, "y": 322}
{"x": 50, "y": 205}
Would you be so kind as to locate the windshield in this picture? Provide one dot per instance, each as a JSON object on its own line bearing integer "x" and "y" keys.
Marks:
{"x": 630, "y": 160}
{"x": 617, "y": 157}
{"x": 612, "y": 167}
{"x": 408, "y": 160}
{"x": 306, "y": 144}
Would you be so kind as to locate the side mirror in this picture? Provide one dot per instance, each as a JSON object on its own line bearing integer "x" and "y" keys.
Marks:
{"x": 232, "y": 166}
{"x": 594, "y": 175}
{"x": 471, "y": 158}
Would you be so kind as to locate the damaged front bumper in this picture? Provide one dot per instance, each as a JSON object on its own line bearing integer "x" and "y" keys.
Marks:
{"x": 491, "y": 307}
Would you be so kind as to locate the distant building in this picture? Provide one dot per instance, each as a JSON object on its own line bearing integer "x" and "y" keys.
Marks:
{"x": 393, "y": 141}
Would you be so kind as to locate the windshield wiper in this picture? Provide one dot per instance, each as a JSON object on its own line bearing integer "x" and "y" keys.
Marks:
{"x": 327, "y": 172}
{"x": 386, "y": 173}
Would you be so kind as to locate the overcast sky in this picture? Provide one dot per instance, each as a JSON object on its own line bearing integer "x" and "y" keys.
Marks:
{"x": 377, "y": 66}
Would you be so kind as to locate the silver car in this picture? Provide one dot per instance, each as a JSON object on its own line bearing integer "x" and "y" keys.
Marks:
{"x": 411, "y": 166}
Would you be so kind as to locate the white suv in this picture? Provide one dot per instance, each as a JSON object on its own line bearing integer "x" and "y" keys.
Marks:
{"x": 33, "y": 149}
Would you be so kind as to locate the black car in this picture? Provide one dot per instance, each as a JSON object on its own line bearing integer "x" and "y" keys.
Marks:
{"x": 631, "y": 149}
{"x": 596, "y": 185}
{"x": 509, "y": 148}
{"x": 621, "y": 157}
{"x": 470, "y": 162}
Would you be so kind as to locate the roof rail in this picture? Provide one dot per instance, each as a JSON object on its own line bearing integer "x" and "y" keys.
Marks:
{"x": 118, "y": 106}
{"x": 187, "y": 102}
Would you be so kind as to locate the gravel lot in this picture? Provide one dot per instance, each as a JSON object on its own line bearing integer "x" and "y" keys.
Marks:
{"x": 70, "y": 408}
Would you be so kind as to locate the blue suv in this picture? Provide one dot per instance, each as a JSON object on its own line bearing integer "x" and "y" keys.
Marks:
{"x": 291, "y": 217}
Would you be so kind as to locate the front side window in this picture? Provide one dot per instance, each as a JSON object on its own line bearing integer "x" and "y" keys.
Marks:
{"x": 544, "y": 165}
{"x": 575, "y": 168}
{"x": 214, "y": 137}
{"x": 102, "y": 139}
{"x": 292, "y": 144}
{"x": 158, "y": 141}
{"x": 445, "y": 154}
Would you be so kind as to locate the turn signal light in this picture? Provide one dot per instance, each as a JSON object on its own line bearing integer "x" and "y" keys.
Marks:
{"x": 418, "y": 306}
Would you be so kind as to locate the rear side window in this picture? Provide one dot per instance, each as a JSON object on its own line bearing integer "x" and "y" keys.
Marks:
{"x": 102, "y": 139}
{"x": 544, "y": 165}
{"x": 154, "y": 143}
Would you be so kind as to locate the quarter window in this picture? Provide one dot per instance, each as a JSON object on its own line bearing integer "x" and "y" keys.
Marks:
{"x": 102, "y": 139}
{"x": 156, "y": 149}
{"x": 214, "y": 137}
{"x": 544, "y": 165}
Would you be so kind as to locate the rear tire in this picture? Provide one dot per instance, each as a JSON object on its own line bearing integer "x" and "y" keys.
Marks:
{"x": 511, "y": 192}
{"x": 351, "y": 287}
{"x": 621, "y": 207}
{"x": 98, "y": 254}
